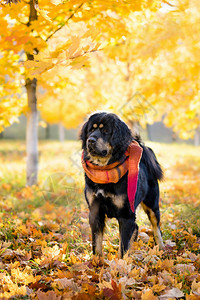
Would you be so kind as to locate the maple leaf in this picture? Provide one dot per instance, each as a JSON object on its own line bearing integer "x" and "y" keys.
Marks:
{"x": 157, "y": 288}
{"x": 172, "y": 293}
{"x": 196, "y": 288}
{"x": 42, "y": 12}
{"x": 148, "y": 294}
{"x": 184, "y": 268}
{"x": 63, "y": 283}
{"x": 113, "y": 293}
{"x": 48, "y": 295}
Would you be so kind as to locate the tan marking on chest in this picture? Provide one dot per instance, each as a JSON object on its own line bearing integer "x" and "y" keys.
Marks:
{"x": 118, "y": 200}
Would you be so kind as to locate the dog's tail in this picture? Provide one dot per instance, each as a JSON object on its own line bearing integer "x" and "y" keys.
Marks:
{"x": 150, "y": 161}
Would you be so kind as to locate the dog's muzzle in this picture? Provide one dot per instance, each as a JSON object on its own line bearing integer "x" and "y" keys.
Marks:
{"x": 94, "y": 149}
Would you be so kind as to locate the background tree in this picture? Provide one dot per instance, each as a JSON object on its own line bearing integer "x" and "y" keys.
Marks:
{"x": 27, "y": 29}
{"x": 153, "y": 70}
{"x": 166, "y": 64}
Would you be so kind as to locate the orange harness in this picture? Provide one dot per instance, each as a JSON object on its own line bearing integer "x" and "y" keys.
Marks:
{"x": 112, "y": 173}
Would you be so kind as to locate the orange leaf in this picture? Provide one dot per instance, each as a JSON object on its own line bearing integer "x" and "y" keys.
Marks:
{"x": 50, "y": 295}
{"x": 148, "y": 294}
{"x": 157, "y": 288}
{"x": 6, "y": 186}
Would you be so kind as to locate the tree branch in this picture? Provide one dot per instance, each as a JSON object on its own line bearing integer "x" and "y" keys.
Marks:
{"x": 11, "y": 1}
{"x": 70, "y": 17}
{"x": 166, "y": 2}
{"x": 26, "y": 24}
{"x": 84, "y": 53}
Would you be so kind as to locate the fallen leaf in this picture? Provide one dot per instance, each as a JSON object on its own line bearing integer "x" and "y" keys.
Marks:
{"x": 173, "y": 293}
{"x": 157, "y": 288}
{"x": 63, "y": 283}
{"x": 148, "y": 294}
{"x": 144, "y": 237}
{"x": 50, "y": 295}
{"x": 196, "y": 288}
{"x": 182, "y": 268}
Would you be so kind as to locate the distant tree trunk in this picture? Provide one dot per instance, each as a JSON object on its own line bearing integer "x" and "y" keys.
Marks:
{"x": 134, "y": 126}
{"x": 61, "y": 132}
{"x": 32, "y": 133}
{"x": 174, "y": 136}
{"x": 47, "y": 132}
{"x": 197, "y": 137}
{"x": 149, "y": 132}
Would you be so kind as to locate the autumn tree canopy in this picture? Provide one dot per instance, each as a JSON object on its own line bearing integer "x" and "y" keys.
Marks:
{"x": 155, "y": 63}
{"x": 88, "y": 55}
{"x": 87, "y": 26}
{"x": 153, "y": 53}
{"x": 34, "y": 42}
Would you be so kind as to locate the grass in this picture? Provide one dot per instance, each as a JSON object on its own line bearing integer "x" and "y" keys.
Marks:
{"x": 47, "y": 225}
{"x": 61, "y": 179}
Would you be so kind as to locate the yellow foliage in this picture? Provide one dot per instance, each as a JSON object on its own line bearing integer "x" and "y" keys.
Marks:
{"x": 54, "y": 33}
{"x": 148, "y": 50}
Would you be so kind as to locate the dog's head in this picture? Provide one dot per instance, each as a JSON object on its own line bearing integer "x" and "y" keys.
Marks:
{"x": 105, "y": 138}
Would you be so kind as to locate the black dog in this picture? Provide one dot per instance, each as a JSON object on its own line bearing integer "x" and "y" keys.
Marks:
{"x": 105, "y": 139}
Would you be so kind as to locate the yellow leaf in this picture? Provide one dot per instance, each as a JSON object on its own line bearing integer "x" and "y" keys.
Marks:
{"x": 157, "y": 288}
{"x": 148, "y": 294}
{"x": 196, "y": 287}
{"x": 43, "y": 13}
{"x": 56, "y": 2}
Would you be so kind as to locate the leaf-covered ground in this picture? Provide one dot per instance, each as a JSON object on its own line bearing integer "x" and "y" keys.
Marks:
{"x": 45, "y": 240}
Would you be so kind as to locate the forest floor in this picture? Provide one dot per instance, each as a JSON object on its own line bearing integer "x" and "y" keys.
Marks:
{"x": 45, "y": 239}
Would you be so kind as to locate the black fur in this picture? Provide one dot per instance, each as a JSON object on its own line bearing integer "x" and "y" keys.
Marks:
{"x": 111, "y": 199}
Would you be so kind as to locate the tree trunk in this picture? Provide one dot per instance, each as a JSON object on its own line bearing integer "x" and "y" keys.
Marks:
{"x": 197, "y": 137}
{"x": 149, "y": 132}
{"x": 61, "y": 132}
{"x": 32, "y": 115}
{"x": 32, "y": 133}
{"x": 47, "y": 132}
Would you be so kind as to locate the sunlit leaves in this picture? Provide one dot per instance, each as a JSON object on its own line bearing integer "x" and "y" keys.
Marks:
{"x": 153, "y": 53}
{"x": 56, "y": 33}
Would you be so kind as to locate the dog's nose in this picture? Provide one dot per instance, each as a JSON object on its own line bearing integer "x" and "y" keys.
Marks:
{"x": 92, "y": 140}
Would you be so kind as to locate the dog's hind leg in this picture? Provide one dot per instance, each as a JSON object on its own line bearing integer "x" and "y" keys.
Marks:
{"x": 128, "y": 231}
{"x": 154, "y": 217}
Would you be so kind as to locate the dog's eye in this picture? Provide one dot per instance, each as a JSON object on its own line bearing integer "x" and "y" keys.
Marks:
{"x": 106, "y": 131}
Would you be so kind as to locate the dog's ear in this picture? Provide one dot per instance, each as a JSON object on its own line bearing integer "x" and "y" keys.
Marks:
{"x": 121, "y": 137}
{"x": 83, "y": 134}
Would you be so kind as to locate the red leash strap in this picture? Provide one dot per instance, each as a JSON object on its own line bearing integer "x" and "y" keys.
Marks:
{"x": 135, "y": 153}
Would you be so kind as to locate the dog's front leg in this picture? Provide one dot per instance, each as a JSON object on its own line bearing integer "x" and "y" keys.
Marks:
{"x": 128, "y": 231}
{"x": 97, "y": 224}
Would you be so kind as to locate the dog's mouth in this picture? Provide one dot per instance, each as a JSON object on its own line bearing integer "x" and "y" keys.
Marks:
{"x": 94, "y": 151}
